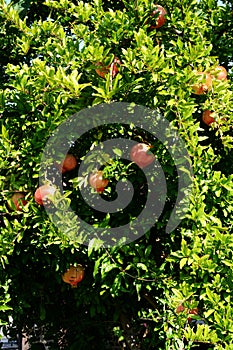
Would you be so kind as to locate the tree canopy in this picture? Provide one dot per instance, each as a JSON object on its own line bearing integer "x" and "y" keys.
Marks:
{"x": 163, "y": 290}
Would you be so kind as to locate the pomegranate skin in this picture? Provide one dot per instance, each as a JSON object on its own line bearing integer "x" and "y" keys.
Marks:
{"x": 97, "y": 181}
{"x": 74, "y": 275}
{"x": 140, "y": 155}
{"x": 161, "y": 19}
{"x": 42, "y": 193}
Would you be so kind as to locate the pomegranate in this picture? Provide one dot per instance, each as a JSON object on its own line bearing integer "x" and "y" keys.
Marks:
{"x": 220, "y": 73}
{"x": 43, "y": 193}
{"x": 203, "y": 84}
{"x": 18, "y": 200}
{"x": 68, "y": 164}
{"x": 180, "y": 308}
{"x": 208, "y": 117}
{"x": 102, "y": 71}
{"x": 97, "y": 181}
{"x": 141, "y": 155}
{"x": 74, "y": 275}
{"x": 161, "y": 19}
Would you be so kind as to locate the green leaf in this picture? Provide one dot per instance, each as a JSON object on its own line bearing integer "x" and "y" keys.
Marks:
{"x": 5, "y": 308}
{"x": 117, "y": 151}
{"x": 142, "y": 266}
{"x": 183, "y": 262}
{"x": 209, "y": 312}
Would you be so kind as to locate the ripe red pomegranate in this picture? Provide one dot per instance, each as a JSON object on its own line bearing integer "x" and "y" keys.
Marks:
{"x": 161, "y": 19}
{"x": 43, "y": 193}
{"x": 141, "y": 155}
{"x": 68, "y": 164}
{"x": 97, "y": 181}
{"x": 102, "y": 70}
{"x": 219, "y": 73}
{"x": 203, "y": 84}
{"x": 180, "y": 308}
{"x": 74, "y": 275}
{"x": 18, "y": 200}
{"x": 208, "y": 117}
{"x": 194, "y": 311}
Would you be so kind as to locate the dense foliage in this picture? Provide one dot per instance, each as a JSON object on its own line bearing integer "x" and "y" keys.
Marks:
{"x": 49, "y": 52}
